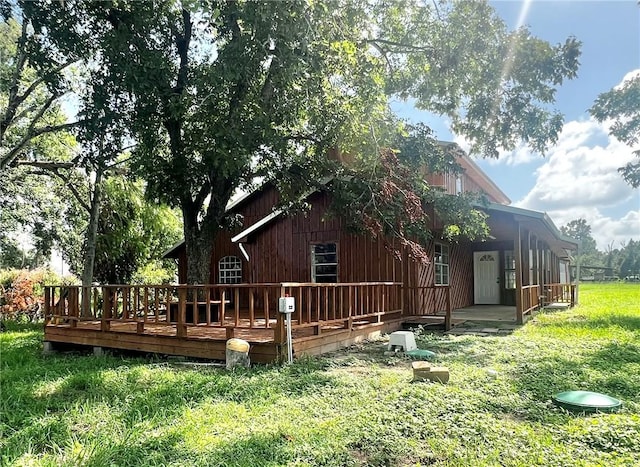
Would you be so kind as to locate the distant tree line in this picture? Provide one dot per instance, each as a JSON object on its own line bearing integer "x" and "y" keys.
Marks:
{"x": 622, "y": 260}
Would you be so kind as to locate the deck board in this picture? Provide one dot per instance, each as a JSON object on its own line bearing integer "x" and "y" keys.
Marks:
{"x": 210, "y": 342}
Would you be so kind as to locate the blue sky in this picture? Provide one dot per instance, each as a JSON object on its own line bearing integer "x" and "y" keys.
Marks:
{"x": 577, "y": 178}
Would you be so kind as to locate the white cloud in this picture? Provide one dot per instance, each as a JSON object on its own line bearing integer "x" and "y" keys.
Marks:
{"x": 628, "y": 77}
{"x": 605, "y": 230}
{"x": 580, "y": 179}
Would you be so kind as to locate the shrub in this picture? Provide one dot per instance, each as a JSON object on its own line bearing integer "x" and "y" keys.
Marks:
{"x": 22, "y": 291}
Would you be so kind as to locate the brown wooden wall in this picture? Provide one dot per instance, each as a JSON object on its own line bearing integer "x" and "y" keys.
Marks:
{"x": 281, "y": 251}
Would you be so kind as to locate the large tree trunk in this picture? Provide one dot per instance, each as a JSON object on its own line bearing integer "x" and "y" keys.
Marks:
{"x": 199, "y": 249}
{"x": 199, "y": 235}
{"x": 90, "y": 251}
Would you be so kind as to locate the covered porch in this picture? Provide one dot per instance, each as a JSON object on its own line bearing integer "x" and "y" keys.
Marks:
{"x": 532, "y": 260}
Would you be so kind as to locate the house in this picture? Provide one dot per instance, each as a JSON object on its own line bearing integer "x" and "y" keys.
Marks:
{"x": 346, "y": 287}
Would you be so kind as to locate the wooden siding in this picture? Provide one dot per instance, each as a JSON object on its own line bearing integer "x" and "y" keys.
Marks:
{"x": 281, "y": 251}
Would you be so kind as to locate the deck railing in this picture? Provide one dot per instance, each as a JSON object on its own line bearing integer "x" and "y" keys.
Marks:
{"x": 559, "y": 293}
{"x": 326, "y": 304}
{"x": 529, "y": 301}
{"x": 229, "y": 306}
{"x": 536, "y": 296}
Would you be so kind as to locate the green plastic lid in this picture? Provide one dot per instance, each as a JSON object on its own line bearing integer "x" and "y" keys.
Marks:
{"x": 421, "y": 353}
{"x": 585, "y": 401}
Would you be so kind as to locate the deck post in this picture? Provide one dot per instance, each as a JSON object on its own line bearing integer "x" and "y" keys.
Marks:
{"x": 447, "y": 316}
{"x": 47, "y": 304}
{"x": 73, "y": 310}
{"x": 181, "y": 327}
{"x": 107, "y": 309}
{"x": 518, "y": 255}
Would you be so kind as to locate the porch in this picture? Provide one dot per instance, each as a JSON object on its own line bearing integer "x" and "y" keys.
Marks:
{"x": 196, "y": 321}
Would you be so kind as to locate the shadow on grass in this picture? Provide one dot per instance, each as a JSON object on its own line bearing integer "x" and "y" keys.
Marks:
{"x": 39, "y": 392}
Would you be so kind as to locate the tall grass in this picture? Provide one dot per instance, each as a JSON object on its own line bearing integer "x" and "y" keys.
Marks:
{"x": 354, "y": 407}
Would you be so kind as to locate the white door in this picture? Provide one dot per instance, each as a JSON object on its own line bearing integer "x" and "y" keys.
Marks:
{"x": 486, "y": 278}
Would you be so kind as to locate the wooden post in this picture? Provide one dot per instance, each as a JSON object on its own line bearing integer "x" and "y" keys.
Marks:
{"x": 518, "y": 255}
{"x": 404, "y": 302}
{"x": 47, "y": 305}
{"x": 106, "y": 309}
{"x": 447, "y": 316}
{"x": 280, "y": 333}
{"x": 73, "y": 308}
{"x": 181, "y": 327}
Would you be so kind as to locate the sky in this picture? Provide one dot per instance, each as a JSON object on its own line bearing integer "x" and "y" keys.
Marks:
{"x": 577, "y": 177}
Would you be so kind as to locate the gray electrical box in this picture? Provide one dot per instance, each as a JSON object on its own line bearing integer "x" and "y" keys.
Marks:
{"x": 287, "y": 304}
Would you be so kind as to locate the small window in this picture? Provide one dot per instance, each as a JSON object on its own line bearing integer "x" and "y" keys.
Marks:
{"x": 459, "y": 185}
{"x": 230, "y": 269}
{"x": 324, "y": 262}
{"x": 441, "y": 262}
{"x": 509, "y": 270}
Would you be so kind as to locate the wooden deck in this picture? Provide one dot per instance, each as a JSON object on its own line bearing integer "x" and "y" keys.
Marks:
{"x": 210, "y": 342}
{"x": 197, "y": 321}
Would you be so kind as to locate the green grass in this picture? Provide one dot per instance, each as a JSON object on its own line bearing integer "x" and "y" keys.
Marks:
{"x": 355, "y": 407}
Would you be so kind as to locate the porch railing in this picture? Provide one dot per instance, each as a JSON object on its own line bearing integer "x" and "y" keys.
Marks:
{"x": 559, "y": 293}
{"x": 529, "y": 299}
{"x": 326, "y": 304}
{"x": 535, "y": 296}
{"x": 243, "y": 306}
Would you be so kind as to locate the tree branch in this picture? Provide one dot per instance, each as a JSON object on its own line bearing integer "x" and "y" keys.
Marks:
{"x": 402, "y": 47}
{"x": 15, "y": 79}
{"x": 33, "y": 133}
{"x": 48, "y": 167}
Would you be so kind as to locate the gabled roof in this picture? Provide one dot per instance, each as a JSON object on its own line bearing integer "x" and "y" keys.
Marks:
{"x": 467, "y": 164}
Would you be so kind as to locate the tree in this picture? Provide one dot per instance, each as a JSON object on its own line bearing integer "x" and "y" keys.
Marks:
{"x": 131, "y": 231}
{"x": 630, "y": 265}
{"x": 588, "y": 254}
{"x": 622, "y": 105}
{"x": 216, "y": 93}
{"x": 31, "y": 88}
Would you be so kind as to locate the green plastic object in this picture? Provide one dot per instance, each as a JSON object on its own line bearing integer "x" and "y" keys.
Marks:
{"x": 421, "y": 353}
{"x": 586, "y": 401}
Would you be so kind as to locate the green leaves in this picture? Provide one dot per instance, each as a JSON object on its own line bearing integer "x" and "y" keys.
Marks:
{"x": 622, "y": 105}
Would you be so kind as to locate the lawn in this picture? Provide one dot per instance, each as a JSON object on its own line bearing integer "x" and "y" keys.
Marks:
{"x": 354, "y": 407}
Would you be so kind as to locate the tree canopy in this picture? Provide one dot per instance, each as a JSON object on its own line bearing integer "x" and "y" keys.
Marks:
{"x": 216, "y": 93}
{"x": 622, "y": 105}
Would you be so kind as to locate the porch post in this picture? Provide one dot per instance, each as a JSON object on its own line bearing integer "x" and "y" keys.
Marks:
{"x": 518, "y": 255}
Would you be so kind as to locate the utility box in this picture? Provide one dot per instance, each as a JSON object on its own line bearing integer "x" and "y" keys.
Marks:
{"x": 402, "y": 339}
{"x": 287, "y": 304}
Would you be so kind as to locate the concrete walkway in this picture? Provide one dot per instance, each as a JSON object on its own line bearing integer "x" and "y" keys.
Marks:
{"x": 484, "y": 320}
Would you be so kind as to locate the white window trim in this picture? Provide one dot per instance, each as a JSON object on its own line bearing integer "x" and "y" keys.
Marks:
{"x": 445, "y": 266}
{"x": 229, "y": 275}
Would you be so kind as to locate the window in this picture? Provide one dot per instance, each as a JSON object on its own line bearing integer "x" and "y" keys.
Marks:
{"x": 459, "y": 185}
{"x": 230, "y": 270}
{"x": 324, "y": 262}
{"x": 509, "y": 270}
{"x": 441, "y": 262}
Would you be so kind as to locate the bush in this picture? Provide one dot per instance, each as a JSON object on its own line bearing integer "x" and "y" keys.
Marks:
{"x": 22, "y": 292}
{"x": 155, "y": 272}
